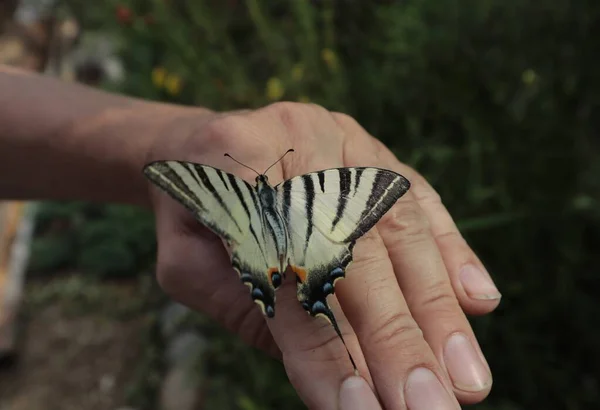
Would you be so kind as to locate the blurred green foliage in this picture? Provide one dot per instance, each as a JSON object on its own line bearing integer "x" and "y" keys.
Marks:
{"x": 495, "y": 102}
{"x": 104, "y": 240}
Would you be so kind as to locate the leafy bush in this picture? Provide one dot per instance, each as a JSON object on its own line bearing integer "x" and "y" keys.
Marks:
{"x": 493, "y": 101}
{"x": 105, "y": 240}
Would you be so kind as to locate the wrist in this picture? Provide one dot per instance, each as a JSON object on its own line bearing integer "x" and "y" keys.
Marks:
{"x": 114, "y": 145}
{"x": 64, "y": 141}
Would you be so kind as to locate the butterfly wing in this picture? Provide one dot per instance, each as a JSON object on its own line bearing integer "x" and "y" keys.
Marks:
{"x": 228, "y": 206}
{"x": 326, "y": 212}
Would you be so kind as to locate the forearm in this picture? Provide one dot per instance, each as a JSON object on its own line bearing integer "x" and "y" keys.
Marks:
{"x": 65, "y": 141}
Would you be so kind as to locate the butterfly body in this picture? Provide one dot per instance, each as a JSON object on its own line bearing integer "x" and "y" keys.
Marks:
{"x": 308, "y": 223}
{"x": 272, "y": 219}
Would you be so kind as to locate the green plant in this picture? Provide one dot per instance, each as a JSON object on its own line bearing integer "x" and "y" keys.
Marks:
{"x": 105, "y": 240}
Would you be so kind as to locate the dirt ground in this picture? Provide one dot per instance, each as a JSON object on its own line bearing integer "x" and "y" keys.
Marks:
{"x": 72, "y": 361}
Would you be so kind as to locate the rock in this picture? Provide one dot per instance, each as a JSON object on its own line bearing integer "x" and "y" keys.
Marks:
{"x": 184, "y": 349}
{"x": 181, "y": 386}
{"x": 107, "y": 383}
{"x": 179, "y": 391}
{"x": 171, "y": 317}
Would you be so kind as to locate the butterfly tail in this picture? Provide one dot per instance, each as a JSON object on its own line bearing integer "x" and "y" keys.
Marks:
{"x": 331, "y": 317}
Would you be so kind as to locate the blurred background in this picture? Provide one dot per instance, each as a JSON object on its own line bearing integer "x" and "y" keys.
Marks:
{"x": 496, "y": 102}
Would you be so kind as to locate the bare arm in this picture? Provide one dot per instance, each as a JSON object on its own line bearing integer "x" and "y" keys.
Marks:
{"x": 66, "y": 141}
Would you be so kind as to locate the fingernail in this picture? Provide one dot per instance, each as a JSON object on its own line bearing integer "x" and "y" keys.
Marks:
{"x": 355, "y": 394}
{"x": 424, "y": 391}
{"x": 478, "y": 283}
{"x": 467, "y": 371}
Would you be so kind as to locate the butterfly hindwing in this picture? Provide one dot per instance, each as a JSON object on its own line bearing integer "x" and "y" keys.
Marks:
{"x": 229, "y": 206}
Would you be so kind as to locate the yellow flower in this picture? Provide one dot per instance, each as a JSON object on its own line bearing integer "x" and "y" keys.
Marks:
{"x": 297, "y": 72}
{"x": 529, "y": 76}
{"x": 303, "y": 99}
{"x": 173, "y": 84}
{"x": 330, "y": 58}
{"x": 158, "y": 76}
{"x": 274, "y": 89}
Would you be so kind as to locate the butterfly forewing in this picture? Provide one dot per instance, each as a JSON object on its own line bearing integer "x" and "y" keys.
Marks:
{"x": 229, "y": 206}
{"x": 344, "y": 203}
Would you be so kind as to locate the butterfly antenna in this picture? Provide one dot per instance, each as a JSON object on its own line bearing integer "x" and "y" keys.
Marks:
{"x": 287, "y": 152}
{"x": 244, "y": 165}
{"x": 339, "y": 333}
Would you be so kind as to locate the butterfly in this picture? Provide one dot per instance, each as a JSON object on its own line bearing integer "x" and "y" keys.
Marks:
{"x": 309, "y": 223}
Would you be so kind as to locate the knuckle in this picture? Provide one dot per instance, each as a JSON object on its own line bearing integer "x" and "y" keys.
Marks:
{"x": 451, "y": 236}
{"x": 323, "y": 346}
{"x": 327, "y": 343}
{"x": 369, "y": 251}
{"x": 168, "y": 280}
{"x": 317, "y": 108}
{"x": 407, "y": 221}
{"x": 378, "y": 145}
{"x": 423, "y": 190}
{"x": 371, "y": 240}
{"x": 383, "y": 154}
{"x": 290, "y": 113}
{"x": 345, "y": 120}
{"x": 220, "y": 130}
{"x": 247, "y": 322}
{"x": 399, "y": 329}
{"x": 293, "y": 114}
{"x": 440, "y": 298}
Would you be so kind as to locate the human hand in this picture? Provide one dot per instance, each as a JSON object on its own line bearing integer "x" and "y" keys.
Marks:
{"x": 400, "y": 304}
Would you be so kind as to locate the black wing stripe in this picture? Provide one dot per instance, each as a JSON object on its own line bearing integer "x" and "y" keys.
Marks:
{"x": 220, "y": 174}
{"x": 387, "y": 188}
{"x": 345, "y": 183}
{"x": 166, "y": 176}
{"x": 309, "y": 188}
{"x": 321, "y": 175}
{"x": 211, "y": 188}
{"x": 359, "y": 172}
{"x": 251, "y": 189}
{"x": 238, "y": 191}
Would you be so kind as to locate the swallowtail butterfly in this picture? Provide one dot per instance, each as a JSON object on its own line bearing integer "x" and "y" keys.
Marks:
{"x": 308, "y": 223}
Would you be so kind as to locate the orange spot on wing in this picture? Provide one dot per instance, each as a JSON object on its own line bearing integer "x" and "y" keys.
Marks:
{"x": 270, "y": 273}
{"x": 300, "y": 272}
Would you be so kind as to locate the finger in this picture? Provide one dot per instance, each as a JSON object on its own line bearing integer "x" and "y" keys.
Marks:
{"x": 355, "y": 394}
{"x": 194, "y": 269}
{"x": 401, "y": 363}
{"x": 423, "y": 278}
{"x": 314, "y": 357}
{"x": 471, "y": 282}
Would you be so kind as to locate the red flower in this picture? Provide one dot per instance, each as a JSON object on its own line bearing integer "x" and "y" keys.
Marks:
{"x": 124, "y": 14}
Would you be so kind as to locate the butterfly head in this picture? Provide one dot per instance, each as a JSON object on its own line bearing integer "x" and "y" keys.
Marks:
{"x": 262, "y": 179}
